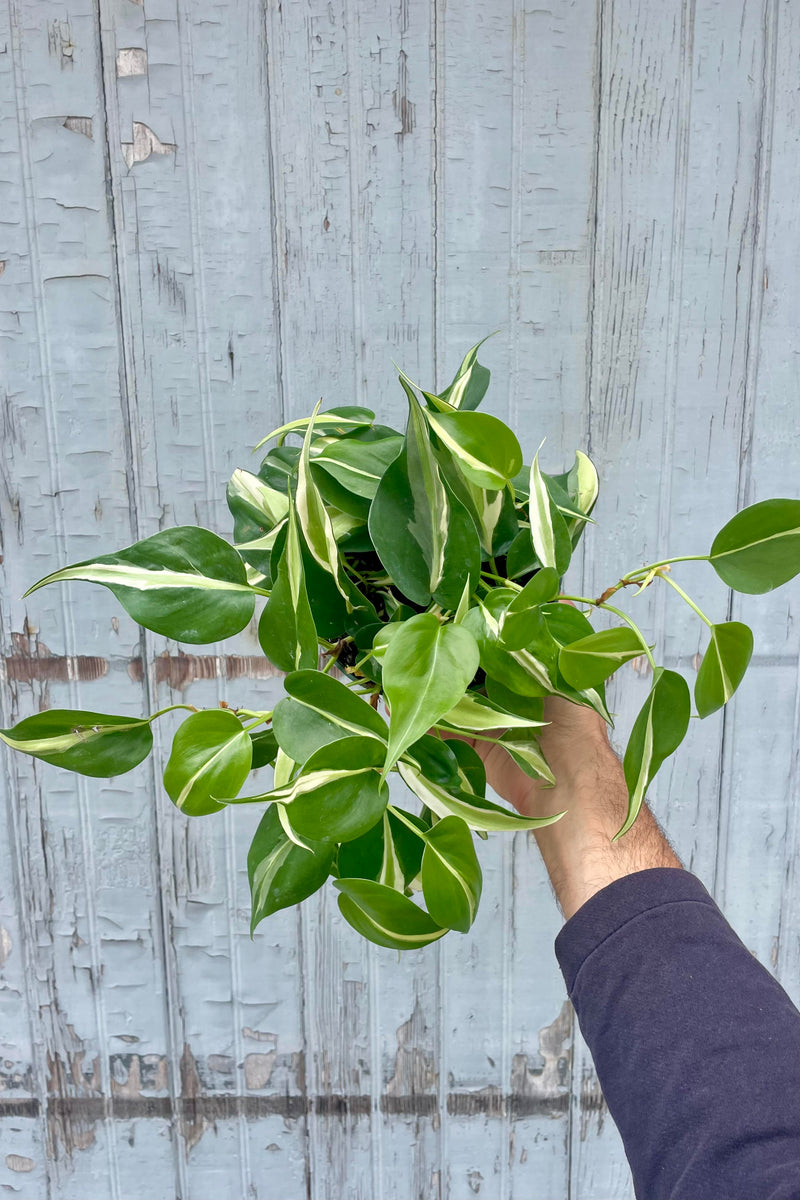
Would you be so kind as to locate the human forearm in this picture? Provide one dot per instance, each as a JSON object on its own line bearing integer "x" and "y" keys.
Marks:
{"x": 577, "y": 850}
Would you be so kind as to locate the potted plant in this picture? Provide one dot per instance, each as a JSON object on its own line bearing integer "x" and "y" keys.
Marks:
{"x": 425, "y": 567}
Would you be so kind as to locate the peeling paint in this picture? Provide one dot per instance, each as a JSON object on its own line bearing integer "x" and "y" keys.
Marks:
{"x": 145, "y": 144}
{"x": 19, "y": 1162}
{"x": 131, "y": 60}
{"x": 552, "y": 1080}
{"x": 414, "y": 1071}
{"x": 258, "y": 1070}
{"x": 82, "y": 125}
{"x": 403, "y": 108}
{"x": 5, "y": 944}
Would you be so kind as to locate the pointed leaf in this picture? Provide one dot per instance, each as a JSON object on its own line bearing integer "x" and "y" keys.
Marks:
{"x": 313, "y": 516}
{"x": 759, "y": 548}
{"x": 347, "y": 797}
{"x": 588, "y": 661}
{"x": 254, "y": 505}
{"x": 479, "y": 813}
{"x": 211, "y": 757}
{"x": 471, "y": 381}
{"x": 527, "y": 754}
{"x": 426, "y": 670}
{"x": 88, "y": 743}
{"x": 185, "y": 583}
{"x": 723, "y": 666}
{"x": 384, "y": 916}
{"x": 451, "y": 874}
{"x": 336, "y": 420}
{"x": 476, "y": 714}
{"x": 657, "y": 732}
{"x": 286, "y": 630}
{"x": 281, "y": 873}
{"x": 358, "y": 466}
{"x": 548, "y": 529}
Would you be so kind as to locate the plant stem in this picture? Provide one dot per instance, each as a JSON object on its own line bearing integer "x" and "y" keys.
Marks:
{"x": 636, "y": 630}
{"x": 252, "y": 725}
{"x": 688, "y": 600}
{"x": 171, "y": 708}
{"x": 246, "y": 712}
{"x": 664, "y": 562}
{"x": 334, "y": 658}
{"x": 259, "y": 590}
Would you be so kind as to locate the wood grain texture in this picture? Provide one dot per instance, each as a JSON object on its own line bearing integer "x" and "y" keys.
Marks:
{"x": 211, "y": 214}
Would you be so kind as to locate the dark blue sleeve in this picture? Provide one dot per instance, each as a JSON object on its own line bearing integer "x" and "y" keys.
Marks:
{"x": 696, "y": 1046}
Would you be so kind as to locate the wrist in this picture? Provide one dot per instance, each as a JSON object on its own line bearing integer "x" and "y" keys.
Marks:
{"x": 577, "y": 850}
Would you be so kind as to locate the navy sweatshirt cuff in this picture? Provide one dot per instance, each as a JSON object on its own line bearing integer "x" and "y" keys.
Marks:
{"x": 619, "y": 902}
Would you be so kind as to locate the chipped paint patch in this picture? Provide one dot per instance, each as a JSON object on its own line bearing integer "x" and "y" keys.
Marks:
{"x": 32, "y": 660}
{"x": 5, "y": 944}
{"x": 177, "y": 671}
{"x": 144, "y": 145}
{"x": 82, "y": 125}
{"x": 551, "y": 1081}
{"x": 414, "y": 1072}
{"x": 19, "y": 1162}
{"x": 131, "y": 60}
{"x": 258, "y": 1070}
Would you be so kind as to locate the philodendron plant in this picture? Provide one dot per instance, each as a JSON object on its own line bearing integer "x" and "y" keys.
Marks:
{"x": 423, "y": 568}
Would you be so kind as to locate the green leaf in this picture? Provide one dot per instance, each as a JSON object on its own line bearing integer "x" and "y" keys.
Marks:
{"x": 657, "y": 732}
{"x": 286, "y": 631}
{"x": 759, "y": 548}
{"x": 527, "y": 754}
{"x": 590, "y": 660}
{"x": 434, "y": 757}
{"x": 479, "y": 813}
{"x": 211, "y": 757}
{"x": 583, "y": 486}
{"x": 314, "y": 518}
{"x": 471, "y": 771}
{"x": 338, "y": 794}
{"x": 265, "y": 748}
{"x": 523, "y": 707}
{"x": 319, "y": 710}
{"x": 358, "y": 466}
{"x": 451, "y": 874}
{"x": 471, "y": 381}
{"x": 488, "y": 453}
{"x": 281, "y": 873}
{"x": 338, "y": 421}
{"x": 279, "y": 468}
{"x": 521, "y": 556}
{"x": 389, "y": 853}
{"x": 384, "y": 916}
{"x": 548, "y": 529}
{"x": 254, "y": 505}
{"x": 426, "y": 670}
{"x": 425, "y": 539}
{"x": 185, "y": 583}
{"x": 521, "y": 621}
{"x": 723, "y": 666}
{"x": 88, "y": 743}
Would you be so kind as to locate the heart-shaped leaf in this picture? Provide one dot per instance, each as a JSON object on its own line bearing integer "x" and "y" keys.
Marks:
{"x": 286, "y": 630}
{"x": 723, "y": 666}
{"x": 185, "y": 583}
{"x": 338, "y": 794}
{"x": 358, "y": 466}
{"x": 589, "y": 661}
{"x": 211, "y": 757}
{"x": 282, "y": 873}
{"x": 88, "y": 743}
{"x": 254, "y": 505}
{"x": 475, "y": 714}
{"x": 426, "y": 670}
{"x": 521, "y": 620}
{"x": 657, "y": 732}
{"x": 451, "y": 874}
{"x": 338, "y": 421}
{"x": 759, "y": 548}
{"x": 319, "y": 710}
{"x": 385, "y": 916}
{"x": 488, "y": 453}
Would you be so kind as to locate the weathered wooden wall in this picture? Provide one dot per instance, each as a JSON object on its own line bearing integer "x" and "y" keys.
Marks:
{"x": 211, "y": 213}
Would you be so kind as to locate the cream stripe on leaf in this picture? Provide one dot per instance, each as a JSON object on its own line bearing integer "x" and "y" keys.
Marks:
{"x": 657, "y": 732}
{"x": 211, "y": 757}
{"x": 385, "y": 916}
{"x": 88, "y": 743}
{"x": 759, "y": 548}
{"x": 314, "y": 518}
{"x": 185, "y": 583}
